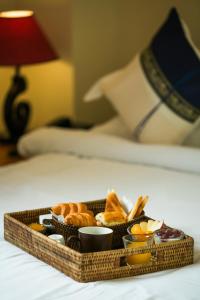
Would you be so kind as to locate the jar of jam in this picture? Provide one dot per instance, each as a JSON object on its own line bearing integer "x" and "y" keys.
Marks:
{"x": 168, "y": 234}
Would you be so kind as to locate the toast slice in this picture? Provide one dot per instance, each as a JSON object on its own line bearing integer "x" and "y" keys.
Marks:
{"x": 138, "y": 208}
{"x": 113, "y": 204}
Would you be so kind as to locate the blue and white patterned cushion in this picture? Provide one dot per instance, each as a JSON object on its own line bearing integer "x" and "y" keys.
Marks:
{"x": 173, "y": 69}
{"x": 158, "y": 93}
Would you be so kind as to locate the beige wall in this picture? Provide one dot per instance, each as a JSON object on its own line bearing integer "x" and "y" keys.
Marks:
{"x": 93, "y": 38}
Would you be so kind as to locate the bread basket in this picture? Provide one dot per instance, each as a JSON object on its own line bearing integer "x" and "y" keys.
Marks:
{"x": 98, "y": 206}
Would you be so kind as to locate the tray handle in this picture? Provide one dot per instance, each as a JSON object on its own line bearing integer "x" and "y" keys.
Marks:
{"x": 155, "y": 256}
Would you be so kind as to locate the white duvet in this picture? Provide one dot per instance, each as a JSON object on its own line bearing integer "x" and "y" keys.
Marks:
{"x": 172, "y": 182}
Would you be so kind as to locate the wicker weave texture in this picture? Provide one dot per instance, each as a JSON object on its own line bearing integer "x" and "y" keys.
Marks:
{"x": 92, "y": 266}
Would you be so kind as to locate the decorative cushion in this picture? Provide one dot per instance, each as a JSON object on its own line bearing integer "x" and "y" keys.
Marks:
{"x": 158, "y": 93}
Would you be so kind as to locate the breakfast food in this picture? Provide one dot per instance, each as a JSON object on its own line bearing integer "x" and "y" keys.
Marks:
{"x": 110, "y": 218}
{"x": 138, "y": 208}
{"x": 113, "y": 204}
{"x": 78, "y": 214}
{"x": 65, "y": 209}
{"x": 168, "y": 234}
{"x": 75, "y": 214}
{"x": 80, "y": 219}
{"x": 146, "y": 227}
{"x": 114, "y": 212}
{"x": 37, "y": 227}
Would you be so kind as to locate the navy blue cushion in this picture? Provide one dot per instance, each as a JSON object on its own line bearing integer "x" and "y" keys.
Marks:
{"x": 173, "y": 68}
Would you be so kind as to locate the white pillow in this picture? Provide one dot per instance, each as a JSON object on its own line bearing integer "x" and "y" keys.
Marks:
{"x": 193, "y": 139}
{"x": 157, "y": 93}
{"x": 114, "y": 126}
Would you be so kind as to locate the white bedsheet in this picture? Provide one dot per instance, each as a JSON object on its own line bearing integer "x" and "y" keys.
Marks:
{"x": 48, "y": 179}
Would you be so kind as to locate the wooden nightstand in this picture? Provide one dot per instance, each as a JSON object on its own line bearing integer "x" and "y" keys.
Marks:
{"x": 8, "y": 154}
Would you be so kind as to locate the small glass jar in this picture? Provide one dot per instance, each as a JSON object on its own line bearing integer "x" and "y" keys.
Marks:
{"x": 37, "y": 227}
{"x": 136, "y": 241}
{"x": 168, "y": 234}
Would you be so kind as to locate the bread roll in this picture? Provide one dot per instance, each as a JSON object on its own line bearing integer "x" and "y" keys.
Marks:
{"x": 80, "y": 219}
{"x": 58, "y": 208}
{"x": 110, "y": 218}
{"x": 65, "y": 209}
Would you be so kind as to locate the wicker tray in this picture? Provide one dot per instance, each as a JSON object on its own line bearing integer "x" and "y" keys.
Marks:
{"x": 85, "y": 267}
{"x": 98, "y": 206}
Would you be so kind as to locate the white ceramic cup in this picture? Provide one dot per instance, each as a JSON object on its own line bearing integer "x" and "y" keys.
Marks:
{"x": 57, "y": 238}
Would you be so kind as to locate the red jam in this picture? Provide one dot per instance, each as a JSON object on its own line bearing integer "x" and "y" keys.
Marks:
{"x": 167, "y": 234}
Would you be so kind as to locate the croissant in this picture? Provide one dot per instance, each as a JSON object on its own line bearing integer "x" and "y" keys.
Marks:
{"x": 113, "y": 204}
{"x": 80, "y": 219}
{"x": 67, "y": 208}
{"x": 57, "y": 209}
{"x": 110, "y": 218}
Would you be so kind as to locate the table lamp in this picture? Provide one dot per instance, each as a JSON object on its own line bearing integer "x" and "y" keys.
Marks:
{"x": 22, "y": 42}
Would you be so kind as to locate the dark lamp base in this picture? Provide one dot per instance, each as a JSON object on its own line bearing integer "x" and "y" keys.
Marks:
{"x": 16, "y": 115}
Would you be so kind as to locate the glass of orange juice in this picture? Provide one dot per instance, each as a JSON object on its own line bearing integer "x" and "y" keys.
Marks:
{"x": 136, "y": 241}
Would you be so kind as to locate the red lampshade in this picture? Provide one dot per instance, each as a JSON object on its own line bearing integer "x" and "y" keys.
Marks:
{"x": 22, "y": 40}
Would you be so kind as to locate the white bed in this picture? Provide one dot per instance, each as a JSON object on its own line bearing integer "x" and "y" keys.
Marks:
{"x": 82, "y": 167}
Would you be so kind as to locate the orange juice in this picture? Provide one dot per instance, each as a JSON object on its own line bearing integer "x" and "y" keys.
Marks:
{"x": 138, "y": 258}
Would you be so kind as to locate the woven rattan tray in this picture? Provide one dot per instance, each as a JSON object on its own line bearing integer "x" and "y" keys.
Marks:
{"x": 85, "y": 267}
